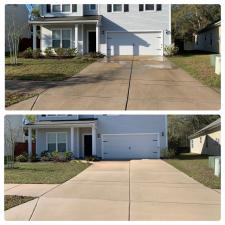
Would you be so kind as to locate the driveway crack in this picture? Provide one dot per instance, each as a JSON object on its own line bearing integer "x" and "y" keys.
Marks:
{"x": 128, "y": 91}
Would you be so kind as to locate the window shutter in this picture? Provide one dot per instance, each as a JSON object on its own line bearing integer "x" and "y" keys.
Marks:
{"x": 109, "y": 8}
{"x": 74, "y": 7}
{"x": 141, "y": 7}
{"x": 158, "y": 7}
{"x": 48, "y": 8}
{"x": 126, "y": 8}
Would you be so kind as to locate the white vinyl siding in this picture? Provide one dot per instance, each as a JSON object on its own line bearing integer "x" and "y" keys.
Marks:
{"x": 61, "y": 38}
{"x": 56, "y": 141}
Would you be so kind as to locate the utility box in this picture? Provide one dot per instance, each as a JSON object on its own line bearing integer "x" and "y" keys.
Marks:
{"x": 218, "y": 65}
{"x": 217, "y": 169}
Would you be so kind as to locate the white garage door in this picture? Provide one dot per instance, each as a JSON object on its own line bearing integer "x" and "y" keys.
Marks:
{"x": 134, "y": 43}
{"x": 130, "y": 146}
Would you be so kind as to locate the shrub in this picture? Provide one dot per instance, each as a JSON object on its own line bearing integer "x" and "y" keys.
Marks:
{"x": 96, "y": 55}
{"x": 49, "y": 52}
{"x": 28, "y": 53}
{"x": 45, "y": 156}
{"x": 171, "y": 50}
{"x": 36, "y": 53}
{"x": 71, "y": 52}
{"x": 168, "y": 153}
{"x": 60, "y": 52}
{"x": 68, "y": 155}
{"x": 22, "y": 158}
{"x": 34, "y": 158}
{"x": 61, "y": 156}
{"x": 92, "y": 158}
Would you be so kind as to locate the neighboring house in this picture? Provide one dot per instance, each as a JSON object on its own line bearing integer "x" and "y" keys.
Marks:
{"x": 13, "y": 132}
{"x": 207, "y": 140}
{"x": 209, "y": 38}
{"x": 105, "y": 136}
{"x": 112, "y": 29}
{"x": 18, "y": 15}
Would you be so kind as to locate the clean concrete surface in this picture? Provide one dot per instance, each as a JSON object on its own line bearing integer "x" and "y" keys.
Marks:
{"x": 33, "y": 190}
{"x": 127, "y": 190}
{"x": 125, "y": 83}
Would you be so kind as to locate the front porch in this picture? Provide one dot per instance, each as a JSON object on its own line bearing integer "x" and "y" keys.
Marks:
{"x": 78, "y": 137}
{"x": 82, "y": 33}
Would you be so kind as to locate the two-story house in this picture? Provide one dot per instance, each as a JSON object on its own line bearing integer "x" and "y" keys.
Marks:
{"x": 112, "y": 29}
{"x": 106, "y": 136}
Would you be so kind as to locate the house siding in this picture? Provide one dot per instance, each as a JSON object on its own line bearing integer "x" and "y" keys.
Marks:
{"x": 119, "y": 124}
{"x": 212, "y": 147}
{"x": 209, "y": 40}
{"x": 135, "y": 21}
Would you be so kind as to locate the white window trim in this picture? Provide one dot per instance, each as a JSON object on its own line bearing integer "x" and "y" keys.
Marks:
{"x": 71, "y": 8}
{"x": 117, "y": 11}
{"x": 61, "y": 29}
{"x": 92, "y": 9}
{"x": 56, "y": 135}
{"x": 144, "y": 10}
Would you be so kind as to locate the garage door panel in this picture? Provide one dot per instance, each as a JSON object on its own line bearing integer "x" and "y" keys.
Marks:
{"x": 130, "y": 146}
{"x": 134, "y": 43}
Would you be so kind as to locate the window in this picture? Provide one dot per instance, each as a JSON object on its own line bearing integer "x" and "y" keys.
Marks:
{"x": 200, "y": 139}
{"x": 48, "y": 8}
{"x": 51, "y": 142}
{"x": 56, "y": 8}
{"x": 56, "y": 38}
{"x": 126, "y": 8}
{"x": 66, "y": 8}
{"x": 117, "y": 7}
{"x": 74, "y": 7}
{"x": 149, "y": 7}
{"x": 158, "y": 7}
{"x": 109, "y": 8}
{"x": 192, "y": 143}
{"x": 57, "y": 141}
{"x": 141, "y": 7}
{"x": 65, "y": 38}
{"x": 61, "y": 142}
{"x": 61, "y": 38}
{"x": 92, "y": 7}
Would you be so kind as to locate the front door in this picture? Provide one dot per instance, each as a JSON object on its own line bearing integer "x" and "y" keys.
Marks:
{"x": 91, "y": 41}
{"x": 87, "y": 145}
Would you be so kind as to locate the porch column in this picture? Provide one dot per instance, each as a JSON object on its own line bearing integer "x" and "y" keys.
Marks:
{"x": 97, "y": 37}
{"x": 72, "y": 139}
{"x": 34, "y": 36}
{"x": 76, "y": 36}
{"x": 29, "y": 141}
{"x": 93, "y": 140}
{"x": 82, "y": 39}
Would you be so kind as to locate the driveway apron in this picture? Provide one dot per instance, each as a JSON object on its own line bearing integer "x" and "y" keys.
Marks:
{"x": 127, "y": 83}
{"x": 125, "y": 190}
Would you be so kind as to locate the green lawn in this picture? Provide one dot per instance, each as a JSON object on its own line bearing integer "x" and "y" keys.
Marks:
{"x": 14, "y": 200}
{"x": 45, "y": 69}
{"x": 196, "y": 166}
{"x": 198, "y": 65}
{"x": 43, "y": 172}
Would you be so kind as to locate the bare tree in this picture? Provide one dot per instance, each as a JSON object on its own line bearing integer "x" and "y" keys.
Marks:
{"x": 11, "y": 136}
{"x": 14, "y": 35}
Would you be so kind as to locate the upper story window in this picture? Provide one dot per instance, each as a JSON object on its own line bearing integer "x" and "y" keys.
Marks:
{"x": 117, "y": 8}
{"x": 66, "y": 8}
{"x": 92, "y": 7}
{"x": 63, "y": 8}
{"x": 150, "y": 7}
{"x": 56, "y": 8}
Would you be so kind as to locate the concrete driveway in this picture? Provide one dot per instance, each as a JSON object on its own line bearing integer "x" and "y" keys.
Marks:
{"x": 124, "y": 83}
{"x": 125, "y": 190}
